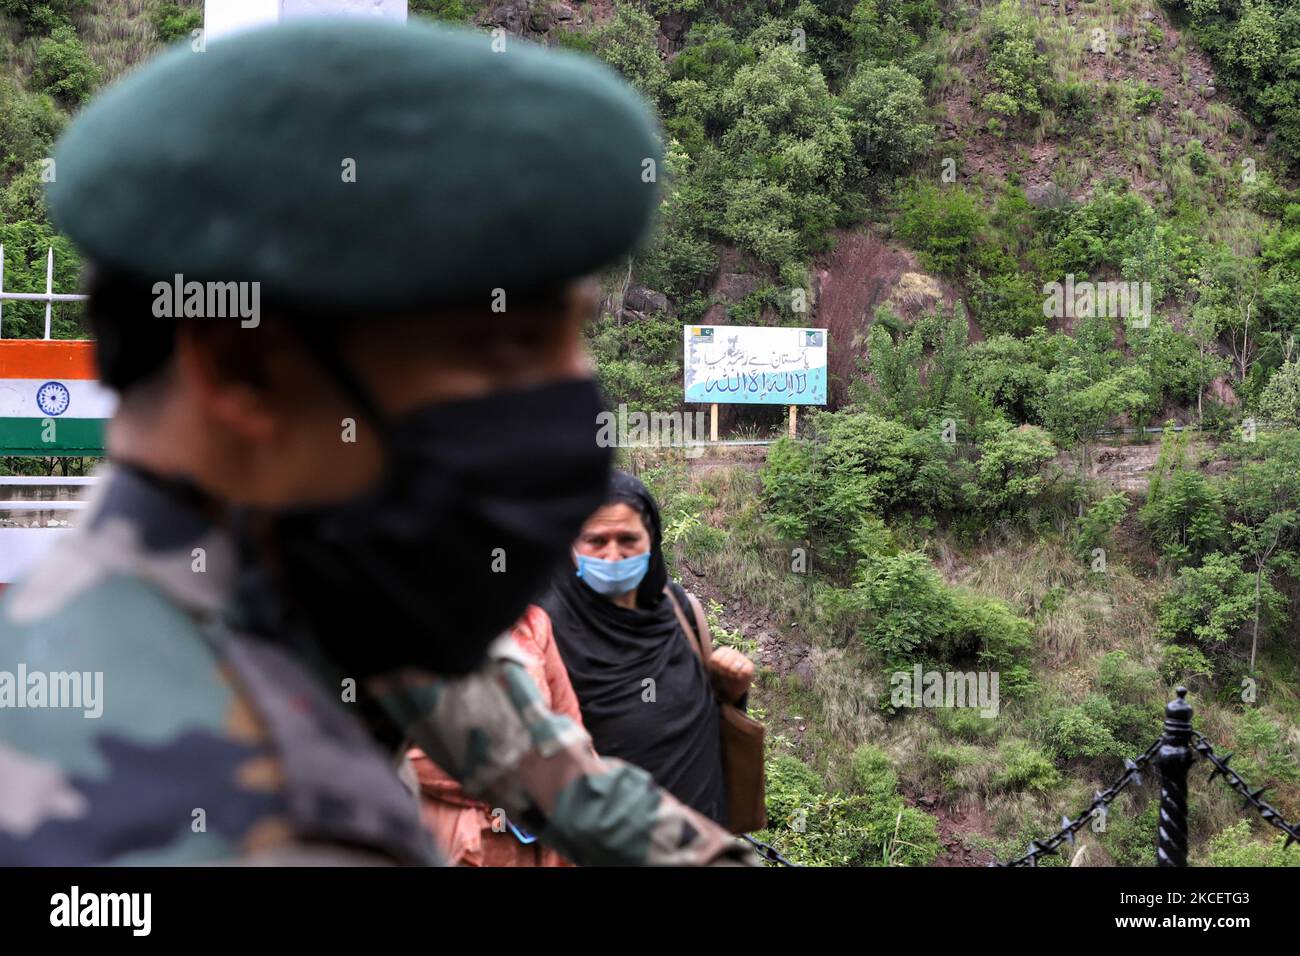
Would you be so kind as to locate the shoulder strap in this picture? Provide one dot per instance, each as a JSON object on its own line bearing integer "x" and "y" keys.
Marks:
{"x": 688, "y": 628}
{"x": 701, "y": 624}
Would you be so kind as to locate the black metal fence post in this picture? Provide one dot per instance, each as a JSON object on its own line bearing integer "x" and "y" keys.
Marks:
{"x": 1173, "y": 758}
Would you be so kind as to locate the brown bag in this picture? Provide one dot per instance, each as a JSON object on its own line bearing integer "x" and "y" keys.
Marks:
{"x": 742, "y": 738}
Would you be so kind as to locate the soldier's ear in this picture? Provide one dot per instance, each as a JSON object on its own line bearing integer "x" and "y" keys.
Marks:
{"x": 227, "y": 377}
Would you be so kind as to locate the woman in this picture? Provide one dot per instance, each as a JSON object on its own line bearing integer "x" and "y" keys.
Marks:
{"x": 646, "y": 695}
{"x": 471, "y": 833}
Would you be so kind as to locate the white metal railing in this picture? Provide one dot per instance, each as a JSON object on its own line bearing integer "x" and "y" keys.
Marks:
{"x": 42, "y": 504}
{"x": 49, "y": 296}
{"x": 41, "y": 480}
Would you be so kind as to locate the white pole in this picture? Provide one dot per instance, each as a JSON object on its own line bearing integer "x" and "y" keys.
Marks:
{"x": 49, "y": 289}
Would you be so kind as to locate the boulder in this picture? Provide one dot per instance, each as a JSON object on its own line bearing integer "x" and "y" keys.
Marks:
{"x": 1046, "y": 196}
{"x": 641, "y": 299}
{"x": 736, "y": 285}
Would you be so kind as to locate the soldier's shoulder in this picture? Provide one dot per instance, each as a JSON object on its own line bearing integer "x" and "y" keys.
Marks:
{"x": 95, "y": 622}
{"x": 121, "y": 735}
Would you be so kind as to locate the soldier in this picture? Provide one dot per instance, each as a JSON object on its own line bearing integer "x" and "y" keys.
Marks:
{"x": 335, "y": 275}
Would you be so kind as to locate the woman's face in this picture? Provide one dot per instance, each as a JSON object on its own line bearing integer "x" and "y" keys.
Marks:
{"x": 613, "y": 533}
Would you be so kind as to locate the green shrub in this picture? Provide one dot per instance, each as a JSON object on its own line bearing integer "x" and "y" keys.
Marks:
{"x": 870, "y": 826}
{"x": 1211, "y": 604}
{"x": 1084, "y": 731}
{"x": 861, "y": 464}
{"x": 1280, "y": 400}
{"x": 887, "y": 118}
{"x": 1127, "y": 836}
{"x": 1181, "y": 665}
{"x": 1023, "y": 767}
{"x": 1009, "y": 374}
{"x": 29, "y": 122}
{"x": 627, "y": 42}
{"x": 1007, "y": 303}
{"x": 943, "y": 225}
{"x": 1140, "y": 97}
{"x": 1265, "y": 740}
{"x": 1237, "y": 846}
{"x": 904, "y": 835}
{"x": 1252, "y": 44}
{"x": 1124, "y": 680}
{"x": 1017, "y": 71}
{"x": 63, "y": 67}
{"x": 1099, "y": 523}
{"x": 965, "y": 723}
{"x": 172, "y": 22}
{"x": 1184, "y": 509}
{"x": 42, "y": 16}
{"x": 1009, "y": 473}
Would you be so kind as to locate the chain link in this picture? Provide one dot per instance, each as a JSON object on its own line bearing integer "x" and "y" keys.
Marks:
{"x": 1205, "y": 749}
{"x": 1100, "y": 802}
{"x": 1132, "y": 774}
{"x": 768, "y": 852}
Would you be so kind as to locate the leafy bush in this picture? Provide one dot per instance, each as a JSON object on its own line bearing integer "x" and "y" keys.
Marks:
{"x": 1211, "y": 604}
{"x": 1180, "y": 665}
{"x": 1280, "y": 400}
{"x": 910, "y": 605}
{"x": 916, "y": 375}
{"x": 172, "y": 22}
{"x": 1236, "y": 846}
{"x": 862, "y": 464}
{"x": 965, "y": 723}
{"x": 63, "y": 67}
{"x": 943, "y": 225}
{"x": 1124, "y": 680}
{"x": 1265, "y": 740}
{"x": 29, "y": 122}
{"x": 1127, "y": 836}
{"x": 884, "y": 30}
{"x": 638, "y": 363}
{"x": 1017, "y": 70}
{"x": 870, "y": 826}
{"x": 887, "y": 109}
{"x": 1009, "y": 471}
{"x": 1184, "y": 510}
{"x": 627, "y": 42}
{"x": 42, "y": 16}
{"x": 1007, "y": 303}
{"x": 906, "y": 836}
{"x": 1023, "y": 767}
{"x": 1009, "y": 374}
{"x": 1098, "y": 523}
{"x": 1141, "y": 97}
{"x": 912, "y": 615}
{"x": 1252, "y": 43}
{"x": 1084, "y": 731}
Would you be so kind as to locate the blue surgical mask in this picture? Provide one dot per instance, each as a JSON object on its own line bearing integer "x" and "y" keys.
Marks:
{"x": 613, "y": 577}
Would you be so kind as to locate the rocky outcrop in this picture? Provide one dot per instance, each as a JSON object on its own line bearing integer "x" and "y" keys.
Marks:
{"x": 643, "y": 300}
{"x": 531, "y": 20}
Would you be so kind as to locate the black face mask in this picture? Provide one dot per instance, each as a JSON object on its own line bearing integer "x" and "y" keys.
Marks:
{"x": 480, "y": 502}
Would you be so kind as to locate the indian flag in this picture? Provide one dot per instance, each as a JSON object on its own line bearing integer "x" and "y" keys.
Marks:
{"x": 50, "y": 400}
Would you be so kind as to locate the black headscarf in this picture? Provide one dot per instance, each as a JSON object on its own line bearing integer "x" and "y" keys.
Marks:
{"x": 610, "y": 651}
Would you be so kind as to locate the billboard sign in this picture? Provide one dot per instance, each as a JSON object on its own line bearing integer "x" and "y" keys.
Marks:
{"x": 754, "y": 365}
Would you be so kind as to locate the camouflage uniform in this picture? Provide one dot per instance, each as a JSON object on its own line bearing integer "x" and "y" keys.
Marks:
{"x": 214, "y": 746}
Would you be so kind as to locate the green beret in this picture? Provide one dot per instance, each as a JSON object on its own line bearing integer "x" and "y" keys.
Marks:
{"x": 474, "y": 169}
